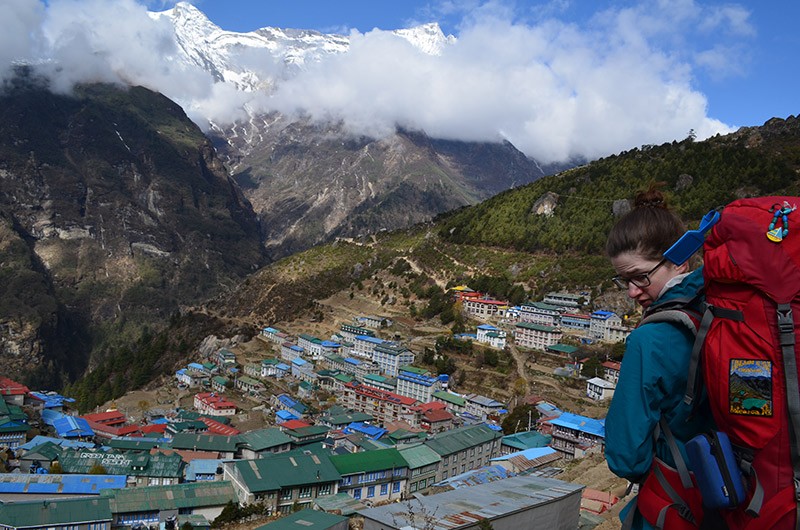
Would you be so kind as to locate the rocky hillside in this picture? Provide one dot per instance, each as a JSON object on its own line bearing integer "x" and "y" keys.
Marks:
{"x": 114, "y": 212}
{"x": 310, "y": 183}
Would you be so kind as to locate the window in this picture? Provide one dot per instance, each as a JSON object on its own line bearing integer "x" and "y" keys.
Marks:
{"x": 413, "y": 487}
{"x": 357, "y": 493}
{"x": 305, "y": 492}
{"x": 445, "y": 460}
{"x": 384, "y": 489}
{"x": 346, "y": 481}
{"x": 286, "y": 494}
{"x": 395, "y": 487}
{"x": 371, "y": 491}
{"x": 398, "y": 472}
{"x": 324, "y": 489}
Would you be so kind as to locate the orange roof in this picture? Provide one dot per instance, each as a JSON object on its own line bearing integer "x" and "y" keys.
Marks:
{"x": 295, "y": 424}
{"x": 186, "y": 455}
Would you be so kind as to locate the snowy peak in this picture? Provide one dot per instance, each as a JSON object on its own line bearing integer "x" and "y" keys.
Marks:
{"x": 256, "y": 60}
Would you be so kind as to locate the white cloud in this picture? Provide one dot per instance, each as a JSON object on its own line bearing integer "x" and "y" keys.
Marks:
{"x": 554, "y": 89}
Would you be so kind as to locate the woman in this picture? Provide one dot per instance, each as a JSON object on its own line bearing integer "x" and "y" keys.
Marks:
{"x": 649, "y": 396}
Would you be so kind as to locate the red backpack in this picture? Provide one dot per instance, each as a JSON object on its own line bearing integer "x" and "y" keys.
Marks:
{"x": 747, "y": 353}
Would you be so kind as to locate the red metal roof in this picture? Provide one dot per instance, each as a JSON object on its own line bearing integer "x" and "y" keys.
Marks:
{"x": 9, "y": 387}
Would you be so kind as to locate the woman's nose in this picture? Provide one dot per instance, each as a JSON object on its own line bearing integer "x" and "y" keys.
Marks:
{"x": 633, "y": 290}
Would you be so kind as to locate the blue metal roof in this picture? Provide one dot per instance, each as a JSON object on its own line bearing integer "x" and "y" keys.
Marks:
{"x": 367, "y": 338}
{"x": 368, "y": 430}
{"x": 52, "y": 400}
{"x": 581, "y": 423}
{"x": 488, "y": 327}
{"x": 330, "y": 344}
{"x": 72, "y": 427}
{"x": 60, "y": 484}
{"x": 352, "y": 361}
{"x": 283, "y": 366}
{"x": 202, "y": 466}
{"x": 50, "y": 416}
{"x": 299, "y": 362}
{"x": 286, "y": 415}
{"x": 531, "y": 454}
{"x": 271, "y": 330}
{"x": 39, "y": 440}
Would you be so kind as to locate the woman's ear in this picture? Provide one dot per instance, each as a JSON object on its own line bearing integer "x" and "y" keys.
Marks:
{"x": 683, "y": 267}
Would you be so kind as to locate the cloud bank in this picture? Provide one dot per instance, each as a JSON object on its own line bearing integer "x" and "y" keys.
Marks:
{"x": 555, "y": 89}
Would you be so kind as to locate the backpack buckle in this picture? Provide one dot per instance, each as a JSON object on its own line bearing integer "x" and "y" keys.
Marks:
{"x": 785, "y": 319}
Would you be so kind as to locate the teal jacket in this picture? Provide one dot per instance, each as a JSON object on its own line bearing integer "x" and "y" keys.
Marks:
{"x": 652, "y": 383}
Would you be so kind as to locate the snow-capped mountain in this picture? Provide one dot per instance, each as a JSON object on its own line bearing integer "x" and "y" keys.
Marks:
{"x": 310, "y": 180}
{"x": 256, "y": 60}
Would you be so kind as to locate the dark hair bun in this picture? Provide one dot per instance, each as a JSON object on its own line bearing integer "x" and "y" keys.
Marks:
{"x": 651, "y": 198}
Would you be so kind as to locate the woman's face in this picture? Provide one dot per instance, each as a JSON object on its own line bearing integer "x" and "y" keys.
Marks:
{"x": 634, "y": 266}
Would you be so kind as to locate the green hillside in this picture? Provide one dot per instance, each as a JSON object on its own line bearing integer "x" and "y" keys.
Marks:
{"x": 698, "y": 176}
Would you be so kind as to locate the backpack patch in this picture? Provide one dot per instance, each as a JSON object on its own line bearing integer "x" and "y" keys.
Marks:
{"x": 750, "y": 387}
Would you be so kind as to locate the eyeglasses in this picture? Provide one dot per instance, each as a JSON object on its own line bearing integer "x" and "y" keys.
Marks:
{"x": 640, "y": 280}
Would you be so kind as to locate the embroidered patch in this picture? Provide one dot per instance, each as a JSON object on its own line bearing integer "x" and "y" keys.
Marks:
{"x": 750, "y": 387}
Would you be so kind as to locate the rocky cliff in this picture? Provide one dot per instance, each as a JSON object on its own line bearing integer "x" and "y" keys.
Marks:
{"x": 115, "y": 211}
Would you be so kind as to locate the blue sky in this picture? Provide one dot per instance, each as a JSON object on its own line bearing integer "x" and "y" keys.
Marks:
{"x": 761, "y": 81}
{"x": 559, "y": 79}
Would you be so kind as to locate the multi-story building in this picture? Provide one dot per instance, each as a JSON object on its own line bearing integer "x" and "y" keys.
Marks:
{"x": 311, "y": 345}
{"x": 540, "y": 313}
{"x": 141, "y": 469}
{"x": 283, "y": 482}
{"x": 576, "y": 322}
{"x": 484, "y": 308}
{"x": 575, "y": 436}
{"x": 381, "y": 382}
{"x": 372, "y": 476}
{"x": 291, "y": 351}
{"x": 483, "y": 407}
{"x": 423, "y": 463}
{"x": 611, "y": 371}
{"x": 214, "y": 404}
{"x": 599, "y": 389}
{"x": 491, "y": 335}
{"x": 567, "y": 300}
{"x": 536, "y": 336}
{"x": 464, "y": 449}
{"x": 364, "y": 345}
{"x": 601, "y": 324}
{"x": 351, "y": 331}
{"x": 417, "y": 383}
{"x": 391, "y": 356}
{"x": 303, "y": 370}
{"x": 384, "y": 406}
{"x": 359, "y": 368}
{"x": 456, "y": 404}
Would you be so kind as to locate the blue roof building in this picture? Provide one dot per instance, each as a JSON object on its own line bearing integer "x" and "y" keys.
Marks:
{"x": 72, "y": 427}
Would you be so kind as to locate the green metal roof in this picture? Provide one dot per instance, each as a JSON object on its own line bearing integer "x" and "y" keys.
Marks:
{"x": 193, "y": 415}
{"x": 419, "y": 455}
{"x": 367, "y": 461}
{"x": 261, "y": 439}
{"x": 249, "y": 380}
{"x": 116, "y": 463}
{"x": 341, "y": 502}
{"x": 281, "y": 471}
{"x": 220, "y": 380}
{"x": 48, "y": 451}
{"x": 126, "y": 444}
{"x": 345, "y": 378}
{"x": 346, "y": 419}
{"x": 186, "y": 495}
{"x": 563, "y": 348}
{"x": 49, "y": 513}
{"x": 270, "y": 361}
{"x": 450, "y": 398}
{"x": 305, "y": 519}
{"x": 204, "y": 442}
{"x": 414, "y": 370}
{"x": 457, "y": 440}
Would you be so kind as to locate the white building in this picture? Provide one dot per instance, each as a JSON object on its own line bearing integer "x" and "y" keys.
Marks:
{"x": 390, "y": 357}
{"x": 540, "y": 313}
{"x": 568, "y": 300}
{"x": 491, "y": 335}
{"x": 601, "y": 324}
{"x": 599, "y": 389}
{"x": 416, "y": 383}
{"x": 364, "y": 345}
